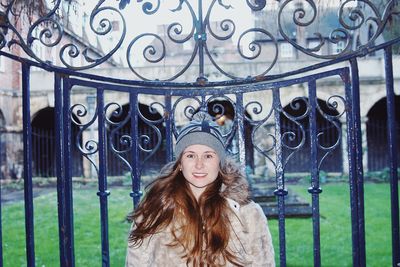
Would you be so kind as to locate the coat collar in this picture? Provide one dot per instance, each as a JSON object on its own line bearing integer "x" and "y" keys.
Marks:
{"x": 237, "y": 190}
{"x": 235, "y": 206}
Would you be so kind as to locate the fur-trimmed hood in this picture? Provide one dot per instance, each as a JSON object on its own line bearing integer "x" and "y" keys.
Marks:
{"x": 235, "y": 186}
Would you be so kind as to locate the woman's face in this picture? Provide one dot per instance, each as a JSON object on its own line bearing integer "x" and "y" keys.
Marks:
{"x": 200, "y": 167}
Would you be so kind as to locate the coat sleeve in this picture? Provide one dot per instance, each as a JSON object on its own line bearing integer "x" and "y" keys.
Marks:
{"x": 261, "y": 248}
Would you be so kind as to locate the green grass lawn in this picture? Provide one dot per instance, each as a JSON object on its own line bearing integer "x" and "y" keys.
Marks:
{"x": 335, "y": 228}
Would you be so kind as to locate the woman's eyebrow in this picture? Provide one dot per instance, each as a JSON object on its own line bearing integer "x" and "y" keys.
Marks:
{"x": 188, "y": 152}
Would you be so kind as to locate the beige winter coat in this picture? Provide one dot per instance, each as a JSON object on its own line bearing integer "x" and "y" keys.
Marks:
{"x": 250, "y": 238}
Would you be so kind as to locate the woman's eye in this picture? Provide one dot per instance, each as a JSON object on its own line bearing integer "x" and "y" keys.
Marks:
{"x": 209, "y": 156}
{"x": 189, "y": 156}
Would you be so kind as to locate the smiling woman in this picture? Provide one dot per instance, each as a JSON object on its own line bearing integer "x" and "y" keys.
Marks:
{"x": 199, "y": 166}
{"x": 198, "y": 212}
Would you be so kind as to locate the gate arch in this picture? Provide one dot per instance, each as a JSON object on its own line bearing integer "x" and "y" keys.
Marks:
{"x": 44, "y": 146}
{"x": 377, "y": 132}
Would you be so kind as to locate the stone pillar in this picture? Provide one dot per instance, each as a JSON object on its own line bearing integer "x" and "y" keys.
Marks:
{"x": 364, "y": 146}
{"x": 89, "y": 135}
{"x": 364, "y": 143}
{"x": 345, "y": 146}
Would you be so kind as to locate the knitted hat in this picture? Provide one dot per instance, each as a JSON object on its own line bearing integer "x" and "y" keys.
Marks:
{"x": 201, "y": 130}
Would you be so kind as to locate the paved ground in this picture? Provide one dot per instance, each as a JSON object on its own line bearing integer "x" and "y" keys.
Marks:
{"x": 11, "y": 196}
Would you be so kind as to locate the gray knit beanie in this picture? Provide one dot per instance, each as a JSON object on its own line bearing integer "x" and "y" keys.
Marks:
{"x": 201, "y": 130}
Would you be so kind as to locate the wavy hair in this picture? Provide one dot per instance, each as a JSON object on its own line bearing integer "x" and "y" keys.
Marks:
{"x": 170, "y": 205}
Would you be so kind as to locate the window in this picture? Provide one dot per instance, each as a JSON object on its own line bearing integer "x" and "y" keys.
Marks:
{"x": 286, "y": 50}
{"x": 338, "y": 47}
{"x": 314, "y": 44}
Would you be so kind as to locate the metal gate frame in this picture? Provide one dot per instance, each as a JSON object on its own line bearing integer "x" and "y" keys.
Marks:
{"x": 65, "y": 79}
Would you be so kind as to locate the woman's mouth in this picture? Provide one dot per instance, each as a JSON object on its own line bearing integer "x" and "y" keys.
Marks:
{"x": 199, "y": 175}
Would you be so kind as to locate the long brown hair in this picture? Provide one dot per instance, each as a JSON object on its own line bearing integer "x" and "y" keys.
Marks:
{"x": 194, "y": 225}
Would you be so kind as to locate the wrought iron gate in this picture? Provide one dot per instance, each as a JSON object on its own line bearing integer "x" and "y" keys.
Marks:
{"x": 252, "y": 109}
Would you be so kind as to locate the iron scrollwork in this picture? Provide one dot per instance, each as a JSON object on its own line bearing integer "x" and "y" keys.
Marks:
{"x": 148, "y": 146}
{"x": 49, "y": 31}
{"x": 331, "y": 115}
{"x": 201, "y": 34}
{"x": 120, "y": 142}
{"x": 91, "y": 146}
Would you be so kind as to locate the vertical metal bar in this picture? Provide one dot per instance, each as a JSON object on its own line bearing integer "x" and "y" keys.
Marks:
{"x": 58, "y": 104}
{"x": 240, "y": 121}
{"x": 28, "y": 186}
{"x": 136, "y": 192}
{"x": 1, "y": 226}
{"x": 168, "y": 128}
{"x": 69, "y": 218}
{"x": 103, "y": 193}
{"x": 392, "y": 145}
{"x": 352, "y": 171}
{"x": 315, "y": 190}
{"x": 200, "y": 37}
{"x": 356, "y": 173}
{"x": 280, "y": 190}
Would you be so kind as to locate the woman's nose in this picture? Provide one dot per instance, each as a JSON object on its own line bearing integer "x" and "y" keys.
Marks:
{"x": 199, "y": 162}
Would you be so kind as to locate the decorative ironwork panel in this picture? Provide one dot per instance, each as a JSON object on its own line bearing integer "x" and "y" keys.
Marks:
{"x": 198, "y": 40}
{"x": 130, "y": 123}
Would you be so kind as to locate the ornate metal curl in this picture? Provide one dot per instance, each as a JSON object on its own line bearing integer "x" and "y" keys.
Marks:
{"x": 53, "y": 32}
{"x": 202, "y": 104}
{"x": 256, "y": 5}
{"x": 256, "y": 108}
{"x": 188, "y": 111}
{"x": 124, "y": 140}
{"x": 145, "y": 139}
{"x": 332, "y": 103}
{"x": 17, "y": 38}
{"x": 147, "y": 7}
{"x": 91, "y": 146}
{"x": 156, "y": 50}
{"x": 104, "y": 27}
{"x": 357, "y": 18}
{"x": 219, "y": 110}
{"x": 290, "y": 135}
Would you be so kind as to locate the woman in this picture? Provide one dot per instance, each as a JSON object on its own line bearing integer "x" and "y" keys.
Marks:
{"x": 199, "y": 212}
